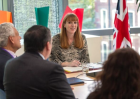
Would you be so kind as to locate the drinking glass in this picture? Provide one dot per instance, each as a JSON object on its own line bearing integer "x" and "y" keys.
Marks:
{"x": 85, "y": 68}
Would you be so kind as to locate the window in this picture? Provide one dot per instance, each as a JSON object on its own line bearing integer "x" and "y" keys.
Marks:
{"x": 0, "y": 4}
{"x": 25, "y": 16}
{"x": 106, "y": 45}
{"x": 104, "y": 50}
{"x": 104, "y": 20}
{"x": 95, "y": 13}
{"x": 89, "y": 13}
{"x": 105, "y": 33}
{"x": 91, "y": 19}
{"x": 130, "y": 1}
{"x": 131, "y": 18}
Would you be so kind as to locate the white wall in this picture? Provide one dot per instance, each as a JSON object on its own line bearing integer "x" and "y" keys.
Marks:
{"x": 94, "y": 48}
{"x": 20, "y": 51}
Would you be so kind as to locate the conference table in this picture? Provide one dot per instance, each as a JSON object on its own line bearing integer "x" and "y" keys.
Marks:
{"x": 81, "y": 91}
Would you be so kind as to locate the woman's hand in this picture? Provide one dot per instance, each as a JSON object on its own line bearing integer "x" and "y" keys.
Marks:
{"x": 73, "y": 63}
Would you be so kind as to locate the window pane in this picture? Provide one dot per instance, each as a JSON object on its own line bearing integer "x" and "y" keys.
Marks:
{"x": 24, "y": 14}
{"x": 89, "y": 15}
{"x": 104, "y": 19}
{"x": 98, "y": 14}
{"x": 107, "y": 45}
{"x": 130, "y": 18}
{"x": 0, "y": 4}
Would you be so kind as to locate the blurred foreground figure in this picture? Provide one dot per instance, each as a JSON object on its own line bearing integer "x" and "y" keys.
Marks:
{"x": 31, "y": 76}
{"x": 120, "y": 78}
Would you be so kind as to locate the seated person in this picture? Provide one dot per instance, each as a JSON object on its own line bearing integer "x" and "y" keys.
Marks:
{"x": 9, "y": 44}
{"x": 120, "y": 77}
{"x": 31, "y": 76}
{"x": 69, "y": 48}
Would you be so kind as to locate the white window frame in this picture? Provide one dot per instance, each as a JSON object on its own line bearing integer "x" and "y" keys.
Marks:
{"x": 114, "y": 1}
{"x": 113, "y": 16}
{"x": 133, "y": 13}
{"x": 132, "y": 1}
{"x": 106, "y": 20}
{"x": 138, "y": 18}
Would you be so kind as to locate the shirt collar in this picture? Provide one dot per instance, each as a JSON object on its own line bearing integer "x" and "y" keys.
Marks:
{"x": 12, "y": 53}
{"x": 42, "y": 56}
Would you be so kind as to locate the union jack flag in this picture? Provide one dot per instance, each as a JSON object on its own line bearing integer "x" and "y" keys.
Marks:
{"x": 121, "y": 31}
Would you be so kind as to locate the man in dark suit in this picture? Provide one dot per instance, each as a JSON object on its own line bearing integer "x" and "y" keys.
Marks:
{"x": 9, "y": 44}
{"x": 31, "y": 76}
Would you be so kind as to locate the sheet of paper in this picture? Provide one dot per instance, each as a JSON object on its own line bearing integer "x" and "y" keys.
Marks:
{"x": 95, "y": 66}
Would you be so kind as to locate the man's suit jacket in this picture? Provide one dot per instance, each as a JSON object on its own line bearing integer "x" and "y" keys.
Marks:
{"x": 31, "y": 77}
{"x": 4, "y": 57}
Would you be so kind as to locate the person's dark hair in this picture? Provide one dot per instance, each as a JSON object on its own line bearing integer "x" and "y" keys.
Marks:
{"x": 120, "y": 77}
{"x": 36, "y": 38}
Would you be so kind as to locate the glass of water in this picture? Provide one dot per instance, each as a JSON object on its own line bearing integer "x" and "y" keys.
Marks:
{"x": 85, "y": 68}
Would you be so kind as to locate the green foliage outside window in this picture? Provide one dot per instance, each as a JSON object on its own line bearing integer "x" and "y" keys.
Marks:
{"x": 89, "y": 15}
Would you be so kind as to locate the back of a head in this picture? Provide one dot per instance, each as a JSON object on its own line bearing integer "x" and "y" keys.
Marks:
{"x": 6, "y": 30}
{"x": 120, "y": 77}
{"x": 36, "y": 38}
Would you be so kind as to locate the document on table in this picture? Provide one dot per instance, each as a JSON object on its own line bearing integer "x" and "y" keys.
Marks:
{"x": 75, "y": 69}
{"x": 72, "y": 69}
{"x": 95, "y": 66}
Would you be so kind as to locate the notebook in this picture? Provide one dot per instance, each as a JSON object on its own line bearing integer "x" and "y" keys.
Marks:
{"x": 74, "y": 80}
{"x": 72, "y": 69}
